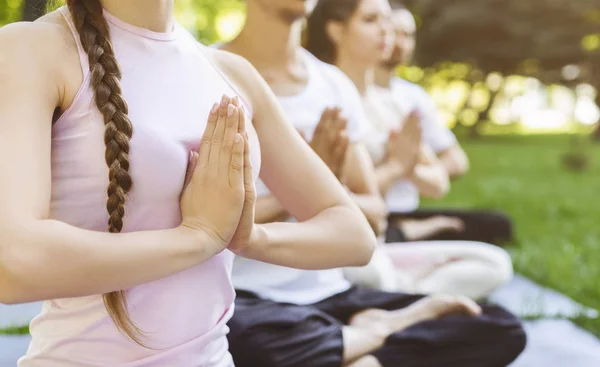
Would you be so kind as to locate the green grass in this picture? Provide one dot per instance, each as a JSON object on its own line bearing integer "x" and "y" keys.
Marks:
{"x": 15, "y": 330}
{"x": 556, "y": 212}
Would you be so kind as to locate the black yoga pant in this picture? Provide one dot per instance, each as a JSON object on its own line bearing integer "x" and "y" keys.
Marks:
{"x": 271, "y": 334}
{"x": 480, "y": 225}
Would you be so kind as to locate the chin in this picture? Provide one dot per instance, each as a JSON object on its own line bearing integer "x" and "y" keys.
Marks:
{"x": 298, "y": 12}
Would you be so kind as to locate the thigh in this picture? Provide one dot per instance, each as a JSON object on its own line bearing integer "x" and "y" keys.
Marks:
{"x": 271, "y": 334}
{"x": 438, "y": 251}
{"x": 494, "y": 339}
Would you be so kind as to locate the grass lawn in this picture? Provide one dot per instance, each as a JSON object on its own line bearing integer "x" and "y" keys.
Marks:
{"x": 556, "y": 212}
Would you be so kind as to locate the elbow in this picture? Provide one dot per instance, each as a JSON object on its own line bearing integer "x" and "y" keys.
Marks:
{"x": 365, "y": 253}
{"x": 378, "y": 219}
{"x": 15, "y": 266}
{"x": 440, "y": 190}
{"x": 365, "y": 244}
{"x": 460, "y": 169}
{"x": 7, "y": 297}
{"x": 457, "y": 163}
{"x": 8, "y": 294}
{"x": 463, "y": 168}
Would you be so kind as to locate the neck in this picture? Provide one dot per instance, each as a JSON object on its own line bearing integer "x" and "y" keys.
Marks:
{"x": 384, "y": 75}
{"x": 361, "y": 74}
{"x": 268, "y": 42}
{"x": 157, "y": 15}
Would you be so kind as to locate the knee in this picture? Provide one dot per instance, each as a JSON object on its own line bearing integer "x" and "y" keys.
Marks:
{"x": 503, "y": 266}
{"x": 380, "y": 273}
{"x": 507, "y": 336}
{"x": 308, "y": 343}
{"x": 512, "y": 340}
{"x": 498, "y": 262}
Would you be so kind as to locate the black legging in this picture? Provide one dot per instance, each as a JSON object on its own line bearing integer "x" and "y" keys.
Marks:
{"x": 480, "y": 225}
{"x": 271, "y": 334}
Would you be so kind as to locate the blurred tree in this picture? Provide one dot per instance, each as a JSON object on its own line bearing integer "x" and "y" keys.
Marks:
{"x": 536, "y": 38}
{"x": 10, "y": 11}
{"x": 210, "y": 20}
{"x": 33, "y": 9}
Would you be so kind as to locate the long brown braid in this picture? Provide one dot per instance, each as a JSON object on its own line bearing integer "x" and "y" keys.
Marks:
{"x": 105, "y": 80}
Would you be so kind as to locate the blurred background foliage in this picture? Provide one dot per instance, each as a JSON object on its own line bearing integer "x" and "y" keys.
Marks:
{"x": 492, "y": 66}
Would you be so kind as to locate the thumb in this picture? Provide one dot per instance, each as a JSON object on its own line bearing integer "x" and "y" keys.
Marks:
{"x": 189, "y": 173}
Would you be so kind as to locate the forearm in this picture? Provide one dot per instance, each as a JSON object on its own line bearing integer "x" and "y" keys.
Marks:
{"x": 431, "y": 179}
{"x": 374, "y": 209}
{"x": 333, "y": 238}
{"x": 47, "y": 259}
{"x": 386, "y": 174}
{"x": 269, "y": 210}
{"x": 455, "y": 161}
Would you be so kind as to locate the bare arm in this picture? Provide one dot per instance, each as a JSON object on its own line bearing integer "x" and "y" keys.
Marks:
{"x": 31, "y": 244}
{"x": 386, "y": 174}
{"x": 359, "y": 175}
{"x": 430, "y": 175}
{"x": 269, "y": 209}
{"x": 455, "y": 160}
{"x": 332, "y": 231}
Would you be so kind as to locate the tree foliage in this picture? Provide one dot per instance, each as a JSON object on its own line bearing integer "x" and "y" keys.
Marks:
{"x": 534, "y": 37}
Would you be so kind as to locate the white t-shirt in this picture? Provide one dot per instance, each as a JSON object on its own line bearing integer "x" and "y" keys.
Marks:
{"x": 386, "y": 110}
{"x": 412, "y": 96}
{"x": 327, "y": 87}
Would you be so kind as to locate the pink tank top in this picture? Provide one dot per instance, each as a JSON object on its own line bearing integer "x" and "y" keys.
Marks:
{"x": 170, "y": 86}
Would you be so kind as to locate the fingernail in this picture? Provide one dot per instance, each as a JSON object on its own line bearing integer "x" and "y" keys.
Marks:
{"x": 224, "y": 100}
{"x": 214, "y": 108}
{"x": 238, "y": 138}
{"x": 191, "y": 155}
{"x": 236, "y": 100}
{"x": 230, "y": 110}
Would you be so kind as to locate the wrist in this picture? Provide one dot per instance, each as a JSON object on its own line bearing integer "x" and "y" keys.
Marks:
{"x": 412, "y": 173}
{"x": 197, "y": 242}
{"x": 257, "y": 243}
{"x": 396, "y": 169}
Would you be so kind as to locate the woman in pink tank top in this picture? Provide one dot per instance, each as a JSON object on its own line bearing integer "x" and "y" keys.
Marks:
{"x": 128, "y": 185}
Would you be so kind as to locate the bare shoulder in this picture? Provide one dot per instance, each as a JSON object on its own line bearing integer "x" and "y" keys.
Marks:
{"x": 43, "y": 52}
{"x": 43, "y": 39}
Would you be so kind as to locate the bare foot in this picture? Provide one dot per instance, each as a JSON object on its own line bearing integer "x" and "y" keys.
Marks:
{"x": 420, "y": 229}
{"x": 440, "y": 305}
{"x": 374, "y": 320}
{"x": 385, "y": 323}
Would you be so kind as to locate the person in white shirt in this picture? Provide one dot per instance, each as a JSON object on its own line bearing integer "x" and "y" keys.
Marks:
{"x": 404, "y": 164}
{"x": 407, "y": 220}
{"x": 288, "y": 317}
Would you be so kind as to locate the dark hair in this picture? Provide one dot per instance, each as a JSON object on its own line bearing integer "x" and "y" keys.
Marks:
{"x": 106, "y": 83}
{"x": 318, "y": 41}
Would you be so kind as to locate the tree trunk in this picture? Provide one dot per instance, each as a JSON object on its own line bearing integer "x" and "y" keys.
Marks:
{"x": 484, "y": 116}
{"x": 597, "y": 132}
{"x": 33, "y": 9}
